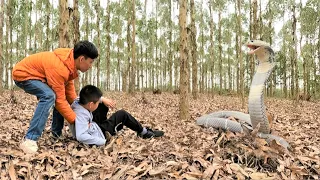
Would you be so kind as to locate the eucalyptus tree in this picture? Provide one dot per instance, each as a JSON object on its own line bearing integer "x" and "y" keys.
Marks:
{"x": 1, "y": 40}
{"x": 132, "y": 82}
{"x": 285, "y": 57}
{"x": 220, "y": 7}
{"x": 48, "y": 8}
{"x": 308, "y": 15}
{"x": 76, "y": 33}
{"x": 151, "y": 32}
{"x": 108, "y": 44}
{"x": 202, "y": 18}
{"x": 293, "y": 54}
{"x": 142, "y": 36}
{"x": 268, "y": 34}
{"x": 63, "y": 24}
{"x": 227, "y": 39}
{"x": 240, "y": 81}
{"x": 165, "y": 29}
{"x": 98, "y": 11}
{"x": 253, "y": 31}
{"x": 10, "y": 26}
{"x": 30, "y": 5}
{"x": 211, "y": 49}
{"x": 116, "y": 25}
{"x": 184, "y": 103}
{"x": 24, "y": 12}
{"x": 87, "y": 12}
{"x": 194, "y": 53}
{"x": 170, "y": 58}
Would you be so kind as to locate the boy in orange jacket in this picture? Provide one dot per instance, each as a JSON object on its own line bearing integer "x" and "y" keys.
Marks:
{"x": 49, "y": 76}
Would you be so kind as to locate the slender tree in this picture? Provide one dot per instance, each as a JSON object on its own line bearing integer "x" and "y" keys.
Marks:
{"x": 63, "y": 24}
{"x": 76, "y": 34}
{"x": 108, "y": 44}
{"x": 97, "y": 8}
{"x": 194, "y": 51}
{"x": 170, "y": 60}
{"x": 212, "y": 59}
{"x": 184, "y": 104}
{"x": 1, "y": 40}
{"x": 133, "y": 53}
{"x": 220, "y": 50}
{"x": 239, "y": 44}
{"x": 294, "y": 72}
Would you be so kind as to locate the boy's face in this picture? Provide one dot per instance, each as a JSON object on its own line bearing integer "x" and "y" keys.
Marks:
{"x": 93, "y": 106}
{"x": 85, "y": 63}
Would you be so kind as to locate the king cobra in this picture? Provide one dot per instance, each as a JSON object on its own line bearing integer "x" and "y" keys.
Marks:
{"x": 257, "y": 111}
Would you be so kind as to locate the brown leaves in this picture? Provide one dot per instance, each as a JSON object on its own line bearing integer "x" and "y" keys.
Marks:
{"x": 187, "y": 151}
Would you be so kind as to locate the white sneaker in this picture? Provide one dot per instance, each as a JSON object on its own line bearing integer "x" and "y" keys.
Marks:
{"x": 29, "y": 146}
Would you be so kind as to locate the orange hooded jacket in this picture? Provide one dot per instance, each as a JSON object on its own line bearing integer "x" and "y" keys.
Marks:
{"x": 58, "y": 70}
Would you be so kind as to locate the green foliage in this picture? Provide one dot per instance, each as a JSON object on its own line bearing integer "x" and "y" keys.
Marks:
{"x": 155, "y": 28}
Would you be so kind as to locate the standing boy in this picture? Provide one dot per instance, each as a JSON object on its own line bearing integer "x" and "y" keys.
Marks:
{"x": 49, "y": 76}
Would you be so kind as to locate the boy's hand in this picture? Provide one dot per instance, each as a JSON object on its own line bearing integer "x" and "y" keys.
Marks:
{"x": 108, "y": 102}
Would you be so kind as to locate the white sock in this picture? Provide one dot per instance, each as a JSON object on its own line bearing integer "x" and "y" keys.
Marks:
{"x": 144, "y": 131}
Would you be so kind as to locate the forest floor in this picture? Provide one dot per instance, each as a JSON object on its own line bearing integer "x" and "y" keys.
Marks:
{"x": 187, "y": 151}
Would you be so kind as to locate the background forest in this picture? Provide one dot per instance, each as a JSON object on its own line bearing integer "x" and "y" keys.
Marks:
{"x": 138, "y": 41}
{"x": 153, "y": 46}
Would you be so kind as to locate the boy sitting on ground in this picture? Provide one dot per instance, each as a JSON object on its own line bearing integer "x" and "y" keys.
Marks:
{"x": 92, "y": 125}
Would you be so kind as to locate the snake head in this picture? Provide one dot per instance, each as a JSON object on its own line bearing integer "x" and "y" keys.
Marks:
{"x": 255, "y": 45}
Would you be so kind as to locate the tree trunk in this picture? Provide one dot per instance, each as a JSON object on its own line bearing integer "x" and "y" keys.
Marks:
{"x": 47, "y": 42}
{"x": 76, "y": 34}
{"x": 211, "y": 46}
{"x": 126, "y": 68}
{"x": 85, "y": 79}
{"x": 30, "y": 26}
{"x": 133, "y": 52}
{"x": 229, "y": 75}
{"x": 194, "y": 51}
{"x": 97, "y": 7}
{"x": 108, "y": 46}
{"x": 241, "y": 72}
{"x": 184, "y": 104}
{"x": 220, "y": 52}
{"x": 63, "y": 24}
{"x": 1, "y": 44}
{"x": 295, "y": 85}
{"x": 170, "y": 49}
{"x": 36, "y": 34}
{"x": 254, "y": 34}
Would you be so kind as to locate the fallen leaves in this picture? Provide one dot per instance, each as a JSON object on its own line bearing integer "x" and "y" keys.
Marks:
{"x": 187, "y": 151}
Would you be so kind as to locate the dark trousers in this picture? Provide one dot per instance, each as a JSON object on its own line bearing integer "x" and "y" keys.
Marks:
{"x": 116, "y": 121}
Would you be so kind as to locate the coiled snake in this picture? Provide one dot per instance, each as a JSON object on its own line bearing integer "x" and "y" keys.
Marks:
{"x": 257, "y": 110}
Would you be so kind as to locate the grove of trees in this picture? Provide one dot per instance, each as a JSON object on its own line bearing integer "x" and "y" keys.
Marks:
{"x": 140, "y": 42}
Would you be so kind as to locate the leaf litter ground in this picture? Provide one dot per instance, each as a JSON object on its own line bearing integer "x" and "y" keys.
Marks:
{"x": 187, "y": 151}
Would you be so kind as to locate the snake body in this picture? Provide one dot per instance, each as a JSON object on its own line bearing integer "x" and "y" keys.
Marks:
{"x": 257, "y": 111}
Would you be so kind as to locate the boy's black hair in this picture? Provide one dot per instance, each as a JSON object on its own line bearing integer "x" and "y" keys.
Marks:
{"x": 85, "y": 48}
{"x": 89, "y": 93}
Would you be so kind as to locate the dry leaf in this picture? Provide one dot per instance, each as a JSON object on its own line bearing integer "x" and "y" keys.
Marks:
{"x": 12, "y": 172}
{"x": 210, "y": 170}
{"x": 156, "y": 171}
{"x": 258, "y": 176}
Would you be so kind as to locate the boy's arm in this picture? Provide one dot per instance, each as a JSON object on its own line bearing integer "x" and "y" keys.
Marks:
{"x": 82, "y": 130}
{"x": 71, "y": 94}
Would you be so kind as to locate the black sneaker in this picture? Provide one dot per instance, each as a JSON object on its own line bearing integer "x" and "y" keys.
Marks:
{"x": 151, "y": 133}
